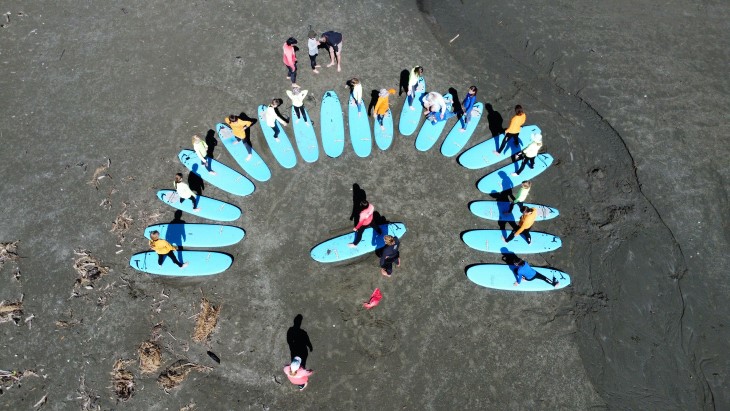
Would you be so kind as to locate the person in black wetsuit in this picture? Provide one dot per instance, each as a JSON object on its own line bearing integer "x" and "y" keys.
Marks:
{"x": 391, "y": 254}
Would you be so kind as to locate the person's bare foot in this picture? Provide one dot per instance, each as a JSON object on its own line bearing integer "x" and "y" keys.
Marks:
{"x": 317, "y": 66}
{"x": 556, "y": 283}
{"x": 514, "y": 174}
{"x": 385, "y": 273}
{"x": 351, "y": 245}
{"x": 296, "y": 121}
{"x": 288, "y": 78}
{"x": 496, "y": 152}
{"x": 236, "y": 142}
{"x": 331, "y": 64}
{"x": 248, "y": 157}
{"x": 338, "y": 68}
{"x": 397, "y": 264}
{"x": 315, "y": 71}
{"x": 277, "y": 139}
{"x": 413, "y": 108}
{"x": 462, "y": 130}
{"x": 184, "y": 265}
{"x": 213, "y": 173}
{"x": 382, "y": 128}
{"x": 197, "y": 210}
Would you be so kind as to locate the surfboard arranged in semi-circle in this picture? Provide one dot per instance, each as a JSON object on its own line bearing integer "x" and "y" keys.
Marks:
{"x": 197, "y": 235}
{"x": 502, "y": 277}
{"x": 458, "y": 137}
{"x": 411, "y": 114}
{"x": 209, "y": 207}
{"x": 359, "y": 125}
{"x": 337, "y": 249}
{"x": 225, "y": 178}
{"x": 499, "y": 211}
{"x": 431, "y": 129}
{"x": 282, "y": 150}
{"x": 492, "y": 241}
{"x": 199, "y": 263}
{"x": 332, "y": 125}
{"x": 255, "y": 167}
{"x": 483, "y": 154}
{"x": 384, "y": 136}
{"x": 304, "y": 136}
{"x": 502, "y": 179}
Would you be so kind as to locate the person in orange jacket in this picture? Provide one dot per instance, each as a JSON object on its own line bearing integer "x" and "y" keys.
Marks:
{"x": 513, "y": 131}
{"x": 381, "y": 107}
{"x": 164, "y": 249}
{"x": 529, "y": 215}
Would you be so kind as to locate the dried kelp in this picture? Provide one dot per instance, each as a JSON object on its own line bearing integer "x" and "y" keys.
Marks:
{"x": 122, "y": 380}
{"x": 89, "y": 269}
{"x": 150, "y": 357}
{"x": 176, "y": 373}
{"x": 8, "y": 252}
{"x": 11, "y": 311}
{"x": 207, "y": 320}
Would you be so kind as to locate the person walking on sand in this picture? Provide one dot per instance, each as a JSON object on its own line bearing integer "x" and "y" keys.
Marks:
{"x": 184, "y": 192}
{"x": 525, "y": 271}
{"x": 297, "y": 95}
{"x": 513, "y": 131}
{"x": 313, "y": 46}
{"x": 365, "y": 220}
{"x": 467, "y": 106}
{"x": 273, "y": 117}
{"x": 382, "y": 106}
{"x": 355, "y": 94}
{"x": 297, "y": 374}
{"x": 290, "y": 60}
{"x": 391, "y": 253}
{"x": 238, "y": 127}
{"x": 163, "y": 249}
{"x": 332, "y": 41}
{"x": 525, "y": 224}
{"x": 521, "y": 196}
{"x": 201, "y": 150}
{"x": 413, "y": 78}
{"x": 529, "y": 153}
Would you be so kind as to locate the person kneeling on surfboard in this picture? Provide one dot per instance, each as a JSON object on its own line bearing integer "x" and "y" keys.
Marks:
{"x": 529, "y": 153}
{"x": 436, "y": 103}
{"x": 381, "y": 107}
{"x": 272, "y": 116}
{"x": 164, "y": 249}
{"x": 523, "y": 270}
{"x": 391, "y": 253}
{"x": 184, "y": 192}
{"x": 526, "y": 221}
{"x": 365, "y": 221}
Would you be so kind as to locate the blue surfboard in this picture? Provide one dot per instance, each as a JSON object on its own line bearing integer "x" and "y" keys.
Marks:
{"x": 502, "y": 179}
{"x": 332, "y": 125}
{"x": 199, "y": 263}
{"x": 492, "y": 241}
{"x": 255, "y": 166}
{"x": 411, "y": 115}
{"x": 225, "y": 178}
{"x": 305, "y": 138}
{"x": 457, "y": 139}
{"x": 483, "y": 154}
{"x": 282, "y": 150}
{"x": 502, "y": 277}
{"x": 209, "y": 207}
{"x": 383, "y": 138}
{"x": 359, "y": 125}
{"x": 499, "y": 211}
{"x": 197, "y": 235}
{"x": 431, "y": 129}
{"x": 337, "y": 249}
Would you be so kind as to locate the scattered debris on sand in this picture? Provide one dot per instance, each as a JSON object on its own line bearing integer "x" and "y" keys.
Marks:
{"x": 100, "y": 173}
{"x": 89, "y": 400}
{"x": 10, "y": 378}
{"x": 11, "y": 311}
{"x": 122, "y": 223}
{"x": 8, "y": 252}
{"x": 207, "y": 320}
{"x": 89, "y": 270}
{"x": 122, "y": 380}
{"x": 189, "y": 407}
{"x": 175, "y": 374}
{"x": 150, "y": 357}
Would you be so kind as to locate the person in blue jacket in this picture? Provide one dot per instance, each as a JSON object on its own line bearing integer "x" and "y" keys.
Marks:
{"x": 467, "y": 106}
{"x": 391, "y": 253}
{"x": 524, "y": 271}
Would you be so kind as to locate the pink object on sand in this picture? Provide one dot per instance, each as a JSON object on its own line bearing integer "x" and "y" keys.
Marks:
{"x": 374, "y": 299}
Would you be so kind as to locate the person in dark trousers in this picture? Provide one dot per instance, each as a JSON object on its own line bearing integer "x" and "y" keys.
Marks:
{"x": 513, "y": 131}
{"x": 313, "y": 47}
{"x": 523, "y": 270}
{"x": 391, "y": 254}
{"x": 529, "y": 153}
{"x": 290, "y": 60}
{"x": 365, "y": 221}
{"x": 521, "y": 196}
{"x": 529, "y": 215}
{"x": 413, "y": 78}
{"x": 332, "y": 41}
{"x": 184, "y": 192}
{"x": 272, "y": 117}
{"x": 164, "y": 249}
{"x": 467, "y": 106}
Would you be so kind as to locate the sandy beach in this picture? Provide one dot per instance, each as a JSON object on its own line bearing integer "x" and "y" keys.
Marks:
{"x": 99, "y": 99}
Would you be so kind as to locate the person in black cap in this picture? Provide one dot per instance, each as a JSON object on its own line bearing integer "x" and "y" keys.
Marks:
{"x": 290, "y": 60}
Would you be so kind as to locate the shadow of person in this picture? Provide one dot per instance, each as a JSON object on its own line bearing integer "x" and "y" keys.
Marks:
{"x": 358, "y": 196}
{"x": 456, "y": 105}
{"x": 378, "y": 239}
{"x": 211, "y": 141}
{"x": 374, "y": 95}
{"x": 298, "y": 340}
{"x": 175, "y": 233}
{"x": 495, "y": 122}
{"x": 403, "y": 82}
{"x": 195, "y": 182}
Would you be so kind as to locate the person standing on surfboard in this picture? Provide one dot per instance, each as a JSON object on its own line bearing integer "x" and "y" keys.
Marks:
{"x": 414, "y": 77}
{"x": 238, "y": 127}
{"x": 391, "y": 253}
{"x": 313, "y": 46}
{"x": 520, "y": 197}
{"x": 355, "y": 94}
{"x": 381, "y": 107}
{"x": 163, "y": 249}
{"x": 290, "y": 60}
{"x": 332, "y": 41}
{"x": 272, "y": 117}
{"x": 525, "y": 224}
{"x": 529, "y": 153}
{"x": 184, "y": 192}
{"x": 365, "y": 221}
{"x": 467, "y": 106}
{"x": 513, "y": 131}
{"x": 297, "y": 374}
{"x": 201, "y": 149}
{"x": 297, "y": 95}
{"x": 525, "y": 271}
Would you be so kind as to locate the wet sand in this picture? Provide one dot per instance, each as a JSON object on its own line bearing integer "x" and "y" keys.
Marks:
{"x": 87, "y": 84}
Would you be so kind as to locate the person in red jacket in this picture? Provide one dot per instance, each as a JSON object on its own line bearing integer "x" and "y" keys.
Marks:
{"x": 296, "y": 374}
{"x": 290, "y": 60}
{"x": 365, "y": 221}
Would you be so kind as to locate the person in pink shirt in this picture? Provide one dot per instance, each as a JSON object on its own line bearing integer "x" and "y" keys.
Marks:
{"x": 297, "y": 375}
{"x": 365, "y": 221}
{"x": 290, "y": 60}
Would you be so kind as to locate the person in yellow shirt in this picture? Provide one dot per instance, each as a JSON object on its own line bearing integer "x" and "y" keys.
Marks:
{"x": 164, "y": 249}
{"x": 529, "y": 215}
{"x": 239, "y": 127}
{"x": 513, "y": 131}
{"x": 381, "y": 107}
